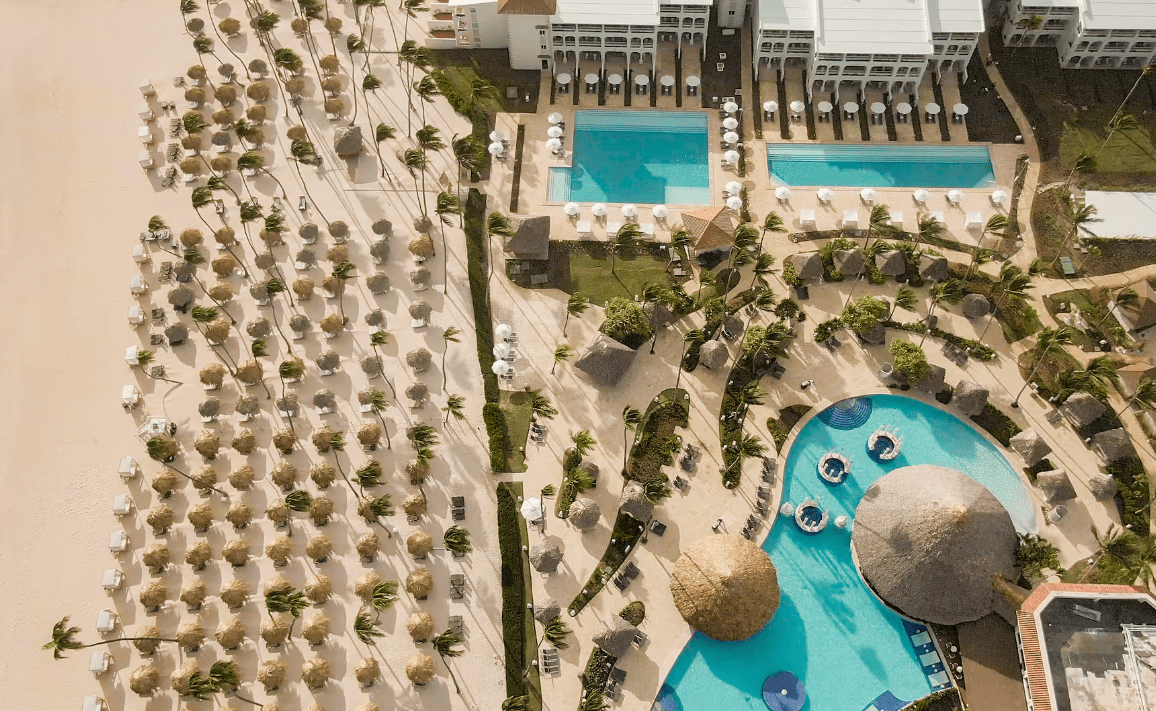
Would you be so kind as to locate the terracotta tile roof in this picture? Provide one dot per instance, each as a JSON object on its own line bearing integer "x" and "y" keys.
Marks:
{"x": 527, "y": 7}
{"x": 711, "y": 228}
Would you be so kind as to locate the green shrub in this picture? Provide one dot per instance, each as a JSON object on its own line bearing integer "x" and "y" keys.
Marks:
{"x": 946, "y": 700}
{"x": 1131, "y": 493}
{"x": 657, "y": 442}
{"x": 864, "y": 314}
{"x": 570, "y": 459}
{"x": 634, "y": 613}
{"x": 790, "y": 274}
{"x": 910, "y": 360}
{"x": 943, "y": 397}
{"x": 496, "y": 431}
{"x": 997, "y": 424}
{"x": 1044, "y": 465}
{"x": 475, "y": 222}
{"x": 781, "y": 426}
{"x": 626, "y": 323}
{"x": 513, "y": 589}
{"x": 1034, "y": 554}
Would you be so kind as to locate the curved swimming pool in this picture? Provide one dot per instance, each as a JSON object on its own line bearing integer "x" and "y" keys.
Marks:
{"x": 830, "y": 630}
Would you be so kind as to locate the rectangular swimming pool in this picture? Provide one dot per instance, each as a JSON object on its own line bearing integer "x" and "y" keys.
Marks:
{"x": 881, "y": 166}
{"x": 648, "y": 157}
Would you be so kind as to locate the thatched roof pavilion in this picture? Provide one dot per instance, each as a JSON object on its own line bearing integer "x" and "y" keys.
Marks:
{"x": 1056, "y": 486}
{"x": 713, "y": 354}
{"x": 1030, "y": 446}
{"x": 546, "y": 611}
{"x": 605, "y": 360}
{"x": 615, "y": 637}
{"x": 891, "y": 262}
{"x": 970, "y": 397}
{"x": 546, "y": 555}
{"x": 849, "y": 262}
{"x": 929, "y": 540}
{"x": 725, "y": 587}
{"x": 933, "y": 267}
{"x": 634, "y": 502}
{"x": 1113, "y": 444}
{"x": 808, "y": 265}
{"x": 584, "y": 513}
{"x": 1083, "y": 409}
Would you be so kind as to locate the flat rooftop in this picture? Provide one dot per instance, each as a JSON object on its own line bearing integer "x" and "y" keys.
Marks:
{"x": 873, "y": 27}
{"x": 600, "y": 12}
{"x": 1119, "y": 14}
{"x": 1121, "y": 214}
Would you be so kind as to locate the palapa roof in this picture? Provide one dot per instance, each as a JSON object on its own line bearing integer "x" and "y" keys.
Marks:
{"x": 933, "y": 267}
{"x": 713, "y": 354}
{"x": 616, "y": 637}
{"x": 808, "y": 265}
{"x": 546, "y": 611}
{"x": 420, "y": 625}
{"x": 1102, "y": 486}
{"x": 546, "y": 555}
{"x": 1030, "y": 446}
{"x": 929, "y": 539}
{"x": 419, "y": 544}
{"x": 711, "y": 228}
{"x": 849, "y": 261}
{"x": 1113, "y": 444}
{"x": 634, "y": 502}
{"x": 420, "y": 668}
{"x": 1056, "y": 486}
{"x": 584, "y": 513}
{"x": 605, "y": 360}
{"x": 891, "y": 262}
{"x": 725, "y": 587}
{"x": 1083, "y": 409}
{"x": 1131, "y": 374}
{"x": 934, "y": 381}
{"x": 1143, "y": 314}
{"x": 975, "y": 306}
{"x": 531, "y": 238}
{"x": 419, "y": 583}
{"x": 970, "y": 397}
{"x": 527, "y": 7}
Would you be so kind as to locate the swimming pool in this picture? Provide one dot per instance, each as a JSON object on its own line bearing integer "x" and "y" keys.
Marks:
{"x": 649, "y": 157}
{"x": 881, "y": 166}
{"x": 830, "y": 630}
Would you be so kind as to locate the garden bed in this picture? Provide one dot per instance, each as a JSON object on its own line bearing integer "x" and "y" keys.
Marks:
{"x": 997, "y": 424}
{"x": 780, "y": 427}
{"x": 626, "y": 533}
{"x": 657, "y": 442}
{"x": 518, "y": 633}
{"x": 517, "y": 411}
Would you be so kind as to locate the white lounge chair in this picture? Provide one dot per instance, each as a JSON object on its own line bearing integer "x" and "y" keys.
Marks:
{"x": 584, "y": 228}
{"x": 146, "y": 112}
{"x": 118, "y": 542}
{"x": 131, "y": 356}
{"x": 122, "y": 505}
{"x": 850, "y": 219}
{"x": 98, "y": 664}
{"x": 128, "y": 468}
{"x": 137, "y": 285}
{"x": 140, "y": 255}
{"x": 417, "y": 323}
{"x": 807, "y": 218}
{"x": 974, "y": 221}
{"x": 896, "y": 219}
{"x": 647, "y": 228}
{"x": 112, "y": 581}
{"x": 146, "y": 160}
{"x": 145, "y": 134}
{"x": 366, "y": 409}
{"x": 298, "y": 335}
{"x": 105, "y": 621}
{"x": 136, "y": 315}
{"x": 146, "y": 88}
{"x": 938, "y": 217}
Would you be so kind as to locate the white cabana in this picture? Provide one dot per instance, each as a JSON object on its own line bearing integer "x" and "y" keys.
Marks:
{"x": 532, "y": 509}
{"x": 807, "y": 218}
{"x": 503, "y": 331}
{"x": 730, "y": 123}
{"x": 797, "y": 106}
{"x": 998, "y": 197}
{"x": 920, "y": 195}
{"x": 974, "y": 221}
{"x": 851, "y": 107}
{"x": 554, "y": 118}
{"x": 145, "y": 159}
{"x": 850, "y": 219}
{"x": 824, "y": 194}
{"x": 735, "y": 203}
{"x": 824, "y": 107}
{"x": 867, "y": 194}
{"x": 497, "y": 136}
{"x": 895, "y": 219}
{"x": 572, "y": 209}
{"x": 903, "y": 108}
{"x": 564, "y": 78}
{"x": 554, "y": 132}
{"x": 731, "y": 157}
{"x": 629, "y": 210}
{"x": 659, "y": 211}
{"x": 954, "y": 196}
{"x": 730, "y": 107}
{"x": 731, "y": 137}
{"x": 783, "y": 193}
{"x": 733, "y": 187}
{"x": 554, "y": 144}
{"x": 500, "y": 367}
{"x": 598, "y": 209}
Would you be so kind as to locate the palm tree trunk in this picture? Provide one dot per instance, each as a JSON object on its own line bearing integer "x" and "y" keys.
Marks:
{"x": 1127, "y": 404}
{"x": 128, "y": 639}
{"x": 301, "y": 180}
{"x": 930, "y": 310}
{"x": 166, "y": 465}
{"x": 284, "y": 194}
{"x": 1016, "y": 402}
{"x": 453, "y": 678}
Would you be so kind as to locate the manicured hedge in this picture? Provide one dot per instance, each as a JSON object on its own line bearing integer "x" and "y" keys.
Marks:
{"x": 475, "y": 221}
{"x": 513, "y": 590}
{"x": 997, "y": 424}
{"x": 496, "y": 431}
{"x": 1131, "y": 493}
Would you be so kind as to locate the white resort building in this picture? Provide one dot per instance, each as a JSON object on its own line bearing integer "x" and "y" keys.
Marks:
{"x": 856, "y": 45}
{"x": 1089, "y": 34}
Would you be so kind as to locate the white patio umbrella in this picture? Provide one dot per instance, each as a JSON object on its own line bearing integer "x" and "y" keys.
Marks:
{"x": 592, "y": 78}
{"x": 731, "y": 156}
{"x": 659, "y": 211}
{"x": 770, "y": 106}
{"x": 554, "y": 144}
{"x": 497, "y": 136}
{"x": 564, "y": 78}
{"x": 998, "y": 197}
{"x": 532, "y": 509}
{"x": 730, "y": 107}
{"x": 554, "y": 132}
{"x": 878, "y": 107}
{"x": 730, "y": 123}
{"x": 824, "y": 195}
{"x": 629, "y": 210}
{"x": 641, "y": 79}
{"x": 502, "y": 349}
{"x": 903, "y": 107}
{"x": 783, "y": 193}
{"x": 554, "y": 118}
{"x": 500, "y": 367}
{"x": 851, "y": 107}
{"x": 823, "y": 107}
{"x": 954, "y": 196}
{"x": 868, "y": 194}
{"x": 920, "y": 195}
{"x": 598, "y": 209}
{"x": 733, "y": 187}
{"x": 666, "y": 80}
{"x": 496, "y": 149}
{"x": 503, "y": 331}
{"x": 959, "y": 109}
{"x": 693, "y": 81}
{"x": 614, "y": 78}
{"x": 731, "y": 137}
{"x": 932, "y": 108}
{"x": 797, "y": 106}
{"x": 735, "y": 203}
{"x": 572, "y": 208}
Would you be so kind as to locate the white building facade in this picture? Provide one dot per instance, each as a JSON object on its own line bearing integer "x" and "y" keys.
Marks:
{"x": 1088, "y": 34}
{"x": 849, "y": 46}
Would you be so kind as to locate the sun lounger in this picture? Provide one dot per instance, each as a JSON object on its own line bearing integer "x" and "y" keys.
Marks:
{"x": 417, "y": 323}
{"x": 137, "y": 285}
{"x": 118, "y": 542}
{"x": 679, "y": 483}
{"x": 456, "y": 593}
{"x": 112, "y": 580}
{"x": 584, "y": 228}
{"x": 658, "y": 528}
{"x": 136, "y": 315}
{"x": 145, "y": 134}
{"x": 129, "y": 397}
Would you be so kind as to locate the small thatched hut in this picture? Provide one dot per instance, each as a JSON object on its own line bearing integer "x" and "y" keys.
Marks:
{"x": 849, "y": 262}
{"x": 713, "y": 354}
{"x": 605, "y": 360}
{"x": 634, "y": 502}
{"x": 1113, "y": 445}
{"x": 975, "y": 306}
{"x": 725, "y": 587}
{"x": 970, "y": 397}
{"x": 616, "y": 636}
{"x": 546, "y": 555}
{"x": 584, "y": 513}
{"x": 1083, "y": 409}
{"x": 808, "y": 265}
{"x": 891, "y": 262}
{"x": 933, "y": 267}
{"x": 1056, "y": 486}
{"x": 546, "y": 611}
{"x": 1030, "y": 446}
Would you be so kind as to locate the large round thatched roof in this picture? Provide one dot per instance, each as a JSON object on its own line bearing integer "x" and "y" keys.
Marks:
{"x": 930, "y": 539}
{"x": 584, "y": 513}
{"x": 546, "y": 555}
{"x": 725, "y": 587}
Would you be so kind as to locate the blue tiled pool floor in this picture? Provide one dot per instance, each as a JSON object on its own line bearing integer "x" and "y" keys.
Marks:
{"x": 881, "y": 166}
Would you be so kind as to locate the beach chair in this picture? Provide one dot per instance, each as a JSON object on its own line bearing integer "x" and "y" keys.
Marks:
{"x": 128, "y": 468}
{"x": 455, "y": 624}
{"x": 136, "y": 316}
{"x": 99, "y": 663}
{"x": 145, "y": 134}
{"x": 658, "y": 528}
{"x": 129, "y": 397}
{"x": 118, "y": 542}
{"x": 105, "y": 621}
{"x": 137, "y": 285}
{"x": 456, "y": 593}
{"x": 122, "y": 505}
{"x": 112, "y": 580}
{"x": 647, "y": 228}
{"x": 1067, "y": 266}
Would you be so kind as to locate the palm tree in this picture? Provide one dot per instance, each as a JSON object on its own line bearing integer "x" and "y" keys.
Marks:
{"x": 378, "y": 404}
{"x": 878, "y": 222}
{"x": 252, "y": 160}
{"x": 556, "y": 631}
{"x": 468, "y": 155}
{"x": 680, "y": 239}
{"x": 1124, "y": 297}
{"x": 416, "y": 163}
{"x": 426, "y": 89}
{"x": 1119, "y": 122}
{"x": 302, "y": 151}
{"x": 1084, "y": 163}
{"x": 950, "y": 291}
{"x": 367, "y": 628}
{"x": 450, "y": 335}
{"x": 353, "y": 43}
{"x": 516, "y": 703}
{"x": 997, "y": 226}
{"x": 457, "y": 541}
{"x": 64, "y": 639}
{"x": 763, "y": 268}
{"x": 286, "y": 601}
{"x": 764, "y": 301}
{"x": 382, "y": 132}
{"x": 1145, "y": 396}
{"x": 628, "y": 236}
{"x": 383, "y": 596}
{"x": 289, "y": 370}
{"x": 1102, "y": 371}
{"x": 575, "y": 306}
{"x": 1013, "y": 284}
{"x": 740, "y": 255}
{"x": 342, "y": 272}
{"x": 455, "y": 406}
{"x": 652, "y": 294}
{"x": 631, "y": 418}
{"x": 1048, "y": 338}
{"x": 203, "y": 315}
{"x": 1078, "y": 215}
{"x": 448, "y": 643}
{"x": 1023, "y": 25}
{"x": 561, "y": 355}
{"x": 273, "y": 287}
{"x": 583, "y": 442}
{"x": 445, "y": 206}
{"x": 905, "y": 299}
{"x": 497, "y": 225}
{"x": 541, "y": 406}
{"x": 481, "y": 91}
{"x": 690, "y": 338}
{"x": 929, "y": 228}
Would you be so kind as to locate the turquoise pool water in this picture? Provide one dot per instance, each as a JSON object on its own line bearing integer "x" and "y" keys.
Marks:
{"x": 647, "y": 157}
{"x": 830, "y": 630}
{"x": 881, "y": 166}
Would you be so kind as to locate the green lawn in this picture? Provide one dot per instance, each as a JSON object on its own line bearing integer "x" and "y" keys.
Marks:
{"x": 1093, "y": 309}
{"x": 515, "y": 406}
{"x": 592, "y": 276}
{"x": 1128, "y": 152}
{"x": 462, "y": 67}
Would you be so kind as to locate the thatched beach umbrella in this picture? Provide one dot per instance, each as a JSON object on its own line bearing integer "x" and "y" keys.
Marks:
{"x": 177, "y": 333}
{"x": 417, "y": 392}
{"x": 193, "y": 593}
{"x": 975, "y": 306}
{"x": 634, "y": 503}
{"x": 584, "y": 513}
{"x": 970, "y": 397}
{"x": 419, "y": 544}
{"x": 209, "y": 407}
{"x": 420, "y": 626}
{"x": 1102, "y": 486}
{"x": 235, "y": 593}
{"x": 849, "y": 262}
{"x": 231, "y": 635}
{"x": 199, "y": 555}
{"x": 375, "y": 318}
{"x": 279, "y": 550}
{"x": 160, "y": 518}
{"x": 323, "y": 474}
{"x": 319, "y": 548}
{"x": 319, "y": 589}
{"x": 259, "y": 328}
{"x": 299, "y": 323}
{"x": 334, "y": 106}
{"x": 207, "y": 444}
{"x": 250, "y": 372}
{"x": 415, "y": 505}
{"x": 297, "y": 133}
{"x": 315, "y": 672}
{"x": 725, "y": 587}
{"x": 338, "y": 229}
{"x": 615, "y": 637}
{"x": 275, "y": 630}
{"x": 223, "y": 164}
{"x": 156, "y": 557}
{"x": 224, "y": 117}
{"x": 420, "y": 582}
{"x": 369, "y": 434}
{"x": 165, "y": 483}
{"x": 1083, "y": 409}
{"x": 1029, "y": 445}
{"x": 377, "y": 283}
{"x": 263, "y": 260}
{"x": 295, "y": 86}
{"x": 546, "y": 611}
{"x": 1056, "y": 486}
{"x": 364, "y": 585}
{"x": 713, "y": 354}
{"x": 417, "y": 470}
{"x": 244, "y": 441}
{"x": 153, "y": 595}
{"x": 1113, "y": 445}
{"x": 182, "y": 676}
{"x": 217, "y": 331}
{"x": 382, "y": 227}
{"x": 213, "y": 375}
{"x": 419, "y": 359}
{"x": 315, "y": 629}
{"x": 201, "y": 517}
{"x": 328, "y": 360}
{"x": 306, "y": 256}
{"x": 420, "y": 669}
{"x": 337, "y": 254}
{"x": 605, "y": 360}
{"x": 420, "y": 310}
{"x": 308, "y": 232}
{"x": 891, "y": 262}
{"x": 241, "y": 478}
{"x": 422, "y": 246}
{"x": 371, "y": 366}
{"x": 240, "y": 514}
{"x": 146, "y": 639}
{"x": 545, "y": 555}
{"x": 284, "y": 475}
{"x": 190, "y": 635}
{"x": 181, "y": 298}
{"x": 191, "y": 166}
{"x": 929, "y": 540}
{"x": 271, "y": 673}
{"x": 221, "y": 292}
{"x": 420, "y": 278}
{"x": 367, "y": 672}
{"x": 367, "y": 545}
{"x": 236, "y": 553}
{"x": 145, "y": 679}
{"x": 321, "y": 510}
{"x": 331, "y": 85}
{"x": 323, "y": 438}
{"x": 332, "y": 324}
{"x": 379, "y": 250}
